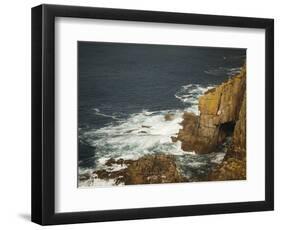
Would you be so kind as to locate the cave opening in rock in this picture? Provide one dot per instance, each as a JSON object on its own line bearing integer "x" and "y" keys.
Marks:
{"x": 227, "y": 128}
{"x": 225, "y": 135}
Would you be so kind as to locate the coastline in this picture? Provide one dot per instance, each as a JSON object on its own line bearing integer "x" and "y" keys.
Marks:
{"x": 219, "y": 127}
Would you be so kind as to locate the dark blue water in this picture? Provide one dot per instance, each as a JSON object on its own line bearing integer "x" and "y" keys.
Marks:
{"x": 118, "y": 80}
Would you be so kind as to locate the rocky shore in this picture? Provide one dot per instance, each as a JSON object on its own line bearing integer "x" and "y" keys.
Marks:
{"x": 220, "y": 127}
{"x": 149, "y": 169}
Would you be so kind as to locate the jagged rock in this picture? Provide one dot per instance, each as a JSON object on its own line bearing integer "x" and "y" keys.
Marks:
{"x": 174, "y": 139}
{"x": 230, "y": 169}
{"x": 149, "y": 169}
{"x": 110, "y": 162}
{"x": 153, "y": 169}
{"x": 192, "y": 137}
{"x": 119, "y": 161}
{"x": 219, "y": 112}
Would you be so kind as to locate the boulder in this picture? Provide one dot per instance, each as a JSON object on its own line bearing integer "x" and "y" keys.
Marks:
{"x": 169, "y": 117}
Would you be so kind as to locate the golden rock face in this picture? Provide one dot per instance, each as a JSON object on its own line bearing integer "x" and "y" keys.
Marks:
{"x": 210, "y": 102}
{"x": 220, "y": 113}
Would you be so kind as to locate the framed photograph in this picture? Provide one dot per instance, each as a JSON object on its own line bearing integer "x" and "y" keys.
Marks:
{"x": 142, "y": 114}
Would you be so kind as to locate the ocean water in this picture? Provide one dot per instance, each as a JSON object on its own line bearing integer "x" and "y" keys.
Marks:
{"x": 125, "y": 91}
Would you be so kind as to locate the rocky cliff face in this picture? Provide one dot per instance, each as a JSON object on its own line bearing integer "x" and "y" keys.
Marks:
{"x": 239, "y": 134}
{"x": 221, "y": 126}
{"x": 233, "y": 166}
{"x": 222, "y": 117}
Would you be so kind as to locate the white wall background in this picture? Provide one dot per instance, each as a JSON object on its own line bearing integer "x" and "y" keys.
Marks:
{"x": 15, "y": 113}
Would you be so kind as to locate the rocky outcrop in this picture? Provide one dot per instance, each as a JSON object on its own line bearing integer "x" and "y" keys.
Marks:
{"x": 220, "y": 117}
{"x": 221, "y": 124}
{"x": 231, "y": 168}
{"x": 149, "y": 169}
{"x": 169, "y": 117}
{"x": 153, "y": 169}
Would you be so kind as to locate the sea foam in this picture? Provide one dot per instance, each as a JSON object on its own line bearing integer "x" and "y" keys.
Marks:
{"x": 189, "y": 95}
{"x": 147, "y": 132}
{"x": 142, "y": 133}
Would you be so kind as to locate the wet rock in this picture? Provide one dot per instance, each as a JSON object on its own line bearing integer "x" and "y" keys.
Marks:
{"x": 106, "y": 175}
{"x": 110, "y": 162}
{"x": 119, "y": 161}
{"x": 146, "y": 126}
{"x": 174, "y": 139}
{"x": 84, "y": 177}
{"x": 149, "y": 169}
{"x": 169, "y": 117}
{"x": 130, "y": 131}
{"x": 142, "y": 132}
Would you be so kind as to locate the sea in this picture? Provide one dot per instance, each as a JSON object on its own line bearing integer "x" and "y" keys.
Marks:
{"x": 125, "y": 91}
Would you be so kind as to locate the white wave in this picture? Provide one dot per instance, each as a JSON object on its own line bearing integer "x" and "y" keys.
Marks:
{"x": 218, "y": 158}
{"x": 147, "y": 132}
{"x": 142, "y": 133}
{"x": 97, "y": 182}
{"x": 189, "y": 95}
{"x": 93, "y": 179}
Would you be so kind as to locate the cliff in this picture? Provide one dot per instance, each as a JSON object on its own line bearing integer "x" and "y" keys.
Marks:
{"x": 221, "y": 126}
{"x": 222, "y": 117}
{"x": 239, "y": 135}
{"x": 233, "y": 166}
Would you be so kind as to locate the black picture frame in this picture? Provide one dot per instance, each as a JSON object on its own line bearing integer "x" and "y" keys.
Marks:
{"x": 43, "y": 110}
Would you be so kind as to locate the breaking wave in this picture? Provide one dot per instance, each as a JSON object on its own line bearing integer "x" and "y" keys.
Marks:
{"x": 189, "y": 95}
{"x": 140, "y": 134}
{"x": 146, "y": 132}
